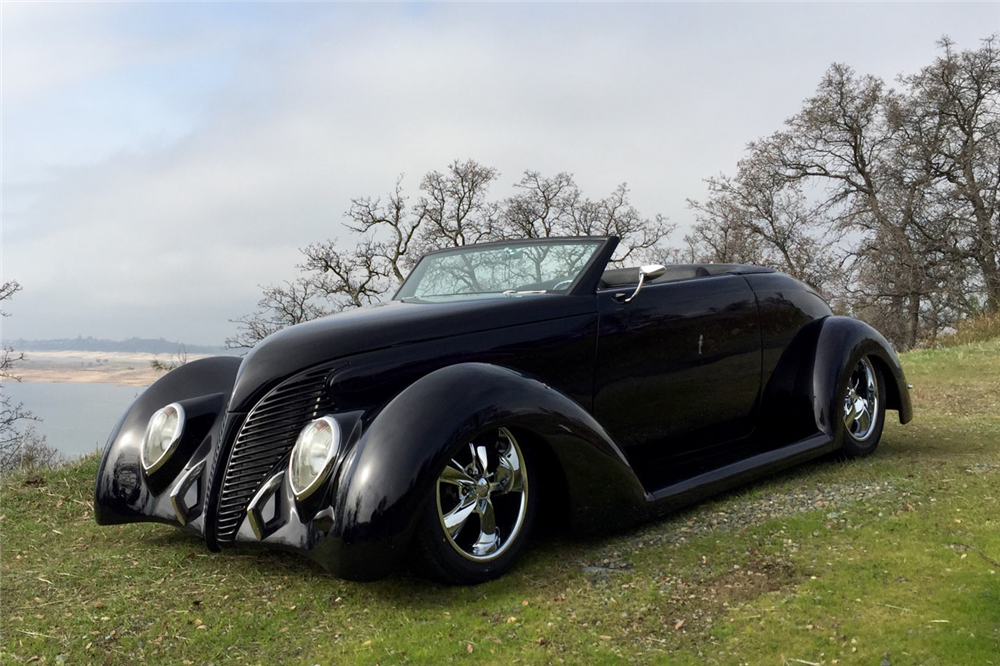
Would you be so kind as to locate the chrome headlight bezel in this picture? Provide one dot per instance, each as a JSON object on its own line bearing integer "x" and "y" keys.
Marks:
{"x": 161, "y": 419}
{"x": 324, "y": 436}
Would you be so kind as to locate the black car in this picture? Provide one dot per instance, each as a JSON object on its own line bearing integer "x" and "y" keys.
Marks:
{"x": 501, "y": 378}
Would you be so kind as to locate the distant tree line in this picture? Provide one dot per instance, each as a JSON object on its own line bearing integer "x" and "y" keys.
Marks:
{"x": 130, "y": 346}
{"x": 883, "y": 199}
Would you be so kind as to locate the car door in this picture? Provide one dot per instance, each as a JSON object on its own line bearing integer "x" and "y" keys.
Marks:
{"x": 678, "y": 373}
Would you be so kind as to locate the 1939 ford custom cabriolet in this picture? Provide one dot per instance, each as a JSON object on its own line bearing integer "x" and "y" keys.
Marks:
{"x": 500, "y": 379}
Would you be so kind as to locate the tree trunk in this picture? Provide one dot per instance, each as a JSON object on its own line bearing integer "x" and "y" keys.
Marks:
{"x": 913, "y": 321}
{"x": 991, "y": 275}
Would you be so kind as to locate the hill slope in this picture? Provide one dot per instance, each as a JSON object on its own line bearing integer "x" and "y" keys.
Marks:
{"x": 894, "y": 558}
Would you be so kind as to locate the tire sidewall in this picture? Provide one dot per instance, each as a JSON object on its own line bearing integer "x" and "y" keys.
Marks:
{"x": 850, "y": 446}
{"x": 437, "y": 554}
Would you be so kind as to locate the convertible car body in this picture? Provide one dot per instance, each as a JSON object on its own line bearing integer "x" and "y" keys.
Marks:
{"x": 501, "y": 378}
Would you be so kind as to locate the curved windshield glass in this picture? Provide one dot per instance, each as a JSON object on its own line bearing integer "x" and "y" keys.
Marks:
{"x": 498, "y": 269}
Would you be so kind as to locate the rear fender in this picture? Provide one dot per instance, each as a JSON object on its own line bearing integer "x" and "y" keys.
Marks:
{"x": 841, "y": 343}
{"x": 800, "y": 398}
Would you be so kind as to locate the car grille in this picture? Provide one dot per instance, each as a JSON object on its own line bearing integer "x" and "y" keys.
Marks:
{"x": 264, "y": 441}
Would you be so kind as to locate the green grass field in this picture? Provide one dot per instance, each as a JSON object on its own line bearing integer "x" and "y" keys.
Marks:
{"x": 892, "y": 559}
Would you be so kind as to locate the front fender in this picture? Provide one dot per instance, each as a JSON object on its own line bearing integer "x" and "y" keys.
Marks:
{"x": 391, "y": 473}
{"x": 123, "y": 492}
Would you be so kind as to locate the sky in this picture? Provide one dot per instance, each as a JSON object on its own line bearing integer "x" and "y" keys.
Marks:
{"x": 161, "y": 161}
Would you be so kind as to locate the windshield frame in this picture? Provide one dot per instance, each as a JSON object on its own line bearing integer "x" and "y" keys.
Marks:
{"x": 585, "y": 281}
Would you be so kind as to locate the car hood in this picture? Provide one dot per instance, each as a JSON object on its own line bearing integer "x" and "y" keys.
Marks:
{"x": 391, "y": 324}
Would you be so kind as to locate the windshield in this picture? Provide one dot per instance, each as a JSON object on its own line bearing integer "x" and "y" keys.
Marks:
{"x": 497, "y": 269}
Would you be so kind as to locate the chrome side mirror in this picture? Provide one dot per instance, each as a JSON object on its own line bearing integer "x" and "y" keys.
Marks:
{"x": 650, "y": 272}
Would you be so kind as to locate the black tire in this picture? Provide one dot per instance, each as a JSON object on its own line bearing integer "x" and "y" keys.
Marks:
{"x": 861, "y": 421}
{"x": 488, "y": 476}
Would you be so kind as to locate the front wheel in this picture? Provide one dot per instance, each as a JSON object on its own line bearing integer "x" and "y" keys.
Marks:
{"x": 481, "y": 510}
{"x": 863, "y": 409}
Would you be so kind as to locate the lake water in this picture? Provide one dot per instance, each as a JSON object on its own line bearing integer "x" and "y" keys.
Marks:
{"x": 77, "y": 417}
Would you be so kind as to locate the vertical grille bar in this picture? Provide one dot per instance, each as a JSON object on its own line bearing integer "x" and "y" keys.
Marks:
{"x": 264, "y": 441}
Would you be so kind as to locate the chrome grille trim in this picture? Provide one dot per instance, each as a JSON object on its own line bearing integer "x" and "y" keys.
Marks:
{"x": 264, "y": 442}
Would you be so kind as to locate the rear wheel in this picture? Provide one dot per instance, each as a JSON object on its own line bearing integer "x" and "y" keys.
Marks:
{"x": 481, "y": 510}
{"x": 863, "y": 409}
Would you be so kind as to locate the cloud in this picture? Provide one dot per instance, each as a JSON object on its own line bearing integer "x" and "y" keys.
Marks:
{"x": 161, "y": 161}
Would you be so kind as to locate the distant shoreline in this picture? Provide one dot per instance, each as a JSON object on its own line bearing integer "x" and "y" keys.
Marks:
{"x": 121, "y": 368}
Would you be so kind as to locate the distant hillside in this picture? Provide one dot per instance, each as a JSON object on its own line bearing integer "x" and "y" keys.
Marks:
{"x": 132, "y": 345}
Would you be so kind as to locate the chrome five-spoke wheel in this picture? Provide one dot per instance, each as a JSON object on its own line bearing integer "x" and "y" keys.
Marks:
{"x": 481, "y": 511}
{"x": 863, "y": 409}
{"x": 861, "y": 404}
{"x": 482, "y": 496}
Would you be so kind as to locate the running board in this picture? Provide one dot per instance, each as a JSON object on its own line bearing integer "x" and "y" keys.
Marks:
{"x": 738, "y": 473}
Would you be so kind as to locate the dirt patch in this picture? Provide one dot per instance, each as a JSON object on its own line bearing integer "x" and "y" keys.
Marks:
{"x": 743, "y": 584}
{"x": 693, "y": 607}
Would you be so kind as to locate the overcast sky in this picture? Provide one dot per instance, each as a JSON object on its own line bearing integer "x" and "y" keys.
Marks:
{"x": 160, "y": 161}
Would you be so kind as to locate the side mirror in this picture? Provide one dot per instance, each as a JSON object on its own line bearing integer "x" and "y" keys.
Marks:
{"x": 650, "y": 272}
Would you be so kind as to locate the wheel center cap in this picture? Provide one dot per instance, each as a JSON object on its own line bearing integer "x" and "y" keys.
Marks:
{"x": 482, "y": 489}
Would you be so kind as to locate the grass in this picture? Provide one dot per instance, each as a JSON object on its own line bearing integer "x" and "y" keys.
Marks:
{"x": 902, "y": 565}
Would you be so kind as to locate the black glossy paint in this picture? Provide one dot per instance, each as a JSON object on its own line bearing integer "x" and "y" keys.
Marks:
{"x": 395, "y": 326}
{"x": 122, "y": 492}
{"x": 388, "y": 477}
{"x": 659, "y": 363}
{"x": 698, "y": 384}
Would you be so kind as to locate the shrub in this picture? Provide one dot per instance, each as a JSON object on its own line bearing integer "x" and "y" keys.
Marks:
{"x": 974, "y": 329}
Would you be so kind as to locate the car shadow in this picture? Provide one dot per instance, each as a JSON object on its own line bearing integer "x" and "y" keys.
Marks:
{"x": 591, "y": 556}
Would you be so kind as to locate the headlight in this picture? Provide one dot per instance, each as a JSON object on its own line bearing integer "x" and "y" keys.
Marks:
{"x": 312, "y": 456}
{"x": 163, "y": 432}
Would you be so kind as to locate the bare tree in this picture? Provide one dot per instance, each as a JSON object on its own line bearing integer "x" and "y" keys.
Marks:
{"x": 542, "y": 207}
{"x": 391, "y": 234}
{"x": 20, "y": 445}
{"x": 12, "y": 415}
{"x": 848, "y": 139}
{"x": 847, "y": 149}
{"x": 899, "y": 188}
{"x": 9, "y": 357}
{"x": 279, "y": 306}
{"x": 954, "y": 117}
{"x": 760, "y": 217}
{"x": 453, "y": 209}
{"x": 555, "y": 206}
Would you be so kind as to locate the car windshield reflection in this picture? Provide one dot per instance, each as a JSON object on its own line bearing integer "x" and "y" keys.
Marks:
{"x": 499, "y": 270}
